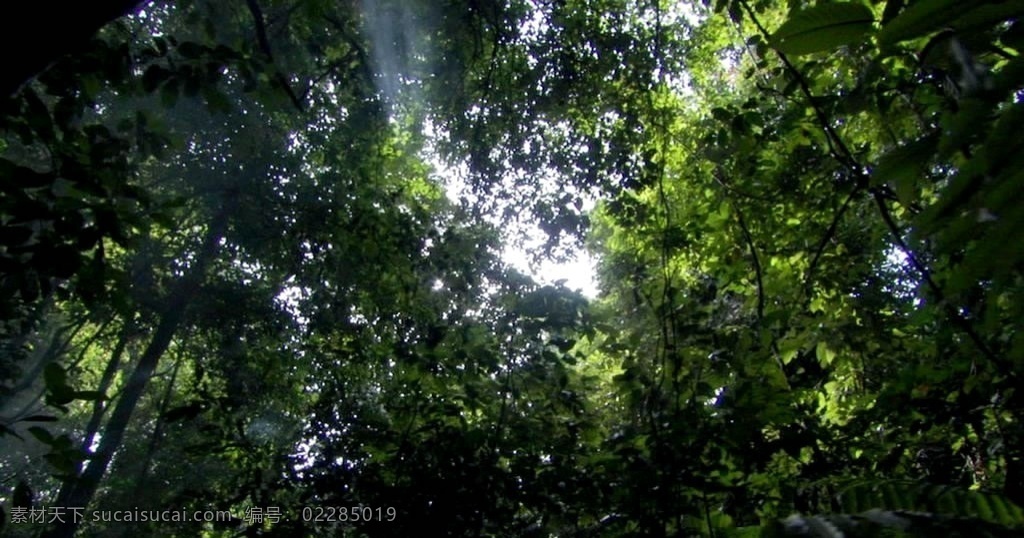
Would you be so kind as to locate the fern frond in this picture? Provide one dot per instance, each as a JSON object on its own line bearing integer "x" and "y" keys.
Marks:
{"x": 877, "y": 522}
{"x": 910, "y": 496}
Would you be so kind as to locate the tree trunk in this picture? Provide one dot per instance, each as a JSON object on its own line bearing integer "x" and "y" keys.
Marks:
{"x": 99, "y": 406}
{"x": 81, "y": 491}
{"x": 157, "y": 436}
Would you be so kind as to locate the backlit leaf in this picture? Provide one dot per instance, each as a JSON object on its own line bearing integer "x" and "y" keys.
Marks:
{"x": 823, "y": 27}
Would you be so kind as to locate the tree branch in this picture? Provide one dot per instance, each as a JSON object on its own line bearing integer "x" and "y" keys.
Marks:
{"x": 837, "y": 148}
{"x": 364, "y": 61}
{"x": 958, "y": 319}
{"x": 749, "y": 240}
{"x": 829, "y": 234}
{"x": 264, "y": 43}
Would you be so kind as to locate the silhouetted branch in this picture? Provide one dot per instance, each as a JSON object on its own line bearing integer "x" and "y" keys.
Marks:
{"x": 829, "y": 234}
{"x": 264, "y": 43}
{"x": 959, "y": 320}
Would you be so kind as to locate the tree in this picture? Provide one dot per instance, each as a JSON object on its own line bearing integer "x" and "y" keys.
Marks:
{"x": 231, "y": 270}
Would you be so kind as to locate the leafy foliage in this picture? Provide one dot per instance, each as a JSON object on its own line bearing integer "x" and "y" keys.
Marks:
{"x": 823, "y": 27}
{"x": 235, "y": 275}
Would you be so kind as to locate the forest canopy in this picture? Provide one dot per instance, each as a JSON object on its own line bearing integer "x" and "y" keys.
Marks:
{"x": 251, "y": 280}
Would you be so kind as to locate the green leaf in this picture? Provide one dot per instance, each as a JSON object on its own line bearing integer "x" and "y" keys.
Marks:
{"x": 892, "y": 8}
{"x": 4, "y": 430}
{"x": 185, "y": 412}
{"x": 61, "y": 395}
{"x": 41, "y": 434}
{"x": 987, "y": 16}
{"x": 39, "y": 418}
{"x": 788, "y": 350}
{"x": 169, "y": 93}
{"x": 904, "y": 167}
{"x": 61, "y": 463}
{"x": 823, "y": 27}
{"x": 824, "y": 353}
{"x": 90, "y": 395}
{"x": 153, "y": 77}
{"x": 922, "y": 17}
{"x": 55, "y": 377}
{"x": 38, "y": 115}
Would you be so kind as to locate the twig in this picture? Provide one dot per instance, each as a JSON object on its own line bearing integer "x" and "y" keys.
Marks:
{"x": 264, "y": 43}
{"x": 749, "y": 239}
{"x": 364, "y": 61}
{"x": 837, "y": 148}
{"x": 829, "y": 234}
{"x": 958, "y": 319}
